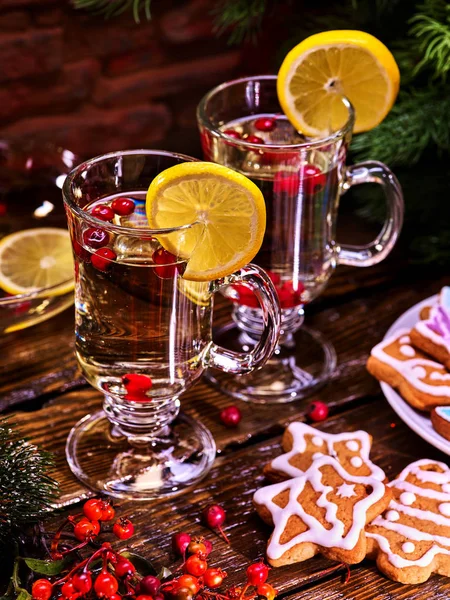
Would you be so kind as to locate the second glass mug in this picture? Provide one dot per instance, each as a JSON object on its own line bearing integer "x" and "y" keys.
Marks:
{"x": 143, "y": 335}
{"x": 302, "y": 180}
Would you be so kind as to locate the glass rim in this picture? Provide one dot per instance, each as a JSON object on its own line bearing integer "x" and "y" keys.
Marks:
{"x": 38, "y": 292}
{"x": 315, "y": 143}
{"x": 119, "y": 229}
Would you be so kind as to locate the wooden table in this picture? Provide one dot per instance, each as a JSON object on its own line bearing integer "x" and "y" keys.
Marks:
{"x": 40, "y": 381}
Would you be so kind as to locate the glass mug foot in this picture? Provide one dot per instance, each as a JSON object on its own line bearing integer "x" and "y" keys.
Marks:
{"x": 141, "y": 468}
{"x": 297, "y": 368}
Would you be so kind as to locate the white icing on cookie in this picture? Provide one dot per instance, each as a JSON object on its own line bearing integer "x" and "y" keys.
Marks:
{"x": 406, "y": 367}
{"x": 352, "y": 445}
{"x": 356, "y": 461}
{"x": 408, "y": 547}
{"x": 417, "y": 518}
{"x": 317, "y": 441}
{"x": 437, "y": 327}
{"x": 420, "y": 372}
{"x": 298, "y": 432}
{"x": 407, "y": 351}
{"x": 407, "y": 498}
{"x": 346, "y": 490}
{"x": 405, "y": 339}
{"x": 437, "y": 376}
{"x": 317, "y": 455}
{"x": 316, "y": 533}
{"x": 443, "y": 412}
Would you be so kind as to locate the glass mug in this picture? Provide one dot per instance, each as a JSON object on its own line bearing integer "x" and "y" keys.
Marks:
{"x": 143, "y": 335}
{"x": 242, "y": 126}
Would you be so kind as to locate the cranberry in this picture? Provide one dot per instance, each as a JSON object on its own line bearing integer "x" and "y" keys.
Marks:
{"x": 265, "y": 124}
{"x": 208, "y": 547}
{"x": 312, "y": 178}
{"x": 102, "y": 258}
{"x": 214, "y": 516}
{"x": 266, "y": 590}
{"x": 123, "y": 206}
{"x": 115, "y": 597}
{"x": 149, "y": 585}
{"x": 108, "y": 513}
{"x": 274, "y": 277}
{"x": 180, "y": 542}
{"x": 85, "y": 529}
{"x": 286, "y": 182}
{"x": 290, "y": 294}
{"x": 82, "y": 582}
{"x": 42, "y": 589}
{"x": 213, "y": 578}
{"x": 257, "y": 573}
{"x": 190, "y": 582}
{"x": 318, "y": 411}
{"x": 254, "y": 139}
{"x": 166, "y": 260}
{"x": 103, "y": 212}
{"x": 93, "y": 509}
{"x": 196, "y": 547}
{"x": 144, "y": 597}
{"x": 81, "y": 252}
{"x": 195, "y": 565}
{"x": 124, "y": 567}
{"x": 182, "y": 594}
{"x": 231, "y": 416}
{"x": 94, "y": 237}
{"x": 245, "y": 296}
{"x": 233, "y": 133}
{"x": 68, "y": 589}
{"x": 135, "y": 382}
{"x": 123, "y": 528}
{"x": 106, "y": 585}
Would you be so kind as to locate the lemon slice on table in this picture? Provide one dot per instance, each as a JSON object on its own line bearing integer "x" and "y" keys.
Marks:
{"x": 228, "y": 207}
{"x": 326, "y": 66}
{"x": 32, "y": 259}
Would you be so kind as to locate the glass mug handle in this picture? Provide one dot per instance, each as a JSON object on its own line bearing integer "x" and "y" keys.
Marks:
{"x": 240, "y": 363}
{"x": 372, "y": 171}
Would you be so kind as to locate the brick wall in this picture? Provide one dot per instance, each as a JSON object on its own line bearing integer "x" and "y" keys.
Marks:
{"x": 92, "y": 85}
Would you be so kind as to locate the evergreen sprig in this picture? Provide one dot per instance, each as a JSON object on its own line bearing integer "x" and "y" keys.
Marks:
{"x": 431, "y": 26}
{"x": 242, "y": 18}
{"x": 113, "y": 8}
{"x": 26, "y": 490}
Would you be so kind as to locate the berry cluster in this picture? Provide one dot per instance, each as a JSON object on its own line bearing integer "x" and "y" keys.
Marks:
{"x": 289, "y": 292}
{"x": 110, "y": 575}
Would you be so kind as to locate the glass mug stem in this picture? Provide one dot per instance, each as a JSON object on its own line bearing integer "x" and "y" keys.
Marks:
{"x": 372, "y": 171}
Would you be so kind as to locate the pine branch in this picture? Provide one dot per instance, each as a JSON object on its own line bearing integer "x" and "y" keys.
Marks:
{"x": 113, "y": 8}
{"x": 431, "y": 27}
{"x": 242, "y": 17}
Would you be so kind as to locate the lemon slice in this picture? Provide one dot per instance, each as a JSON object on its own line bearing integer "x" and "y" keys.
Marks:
{"x": 229, "y": 211}
{"x": 196, "y": 291}
{"x": 36, "y": 258}
{"x": 324, "y": 67}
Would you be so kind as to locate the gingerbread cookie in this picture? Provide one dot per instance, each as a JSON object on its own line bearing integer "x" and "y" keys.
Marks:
{"x": 325, "y": 510}
{"x": 440, "y": 419}
{"x": 304, "y": 444}
{"x": 432, "y": 334}
{"x": 411, "y": 540}
{"x": 421, "y": 381}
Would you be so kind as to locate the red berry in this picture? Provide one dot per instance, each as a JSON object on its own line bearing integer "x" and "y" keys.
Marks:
{"x": 195, "y": 565}
{"x": 42, "y": 589}
{"x": 108, "y": 513}
{"x": 257, "y": 573}
{"x": 312, "y": 178}
{"x": 102, "y": 258}
{"x": 81, "y": 252}
{"x": 196, "y": 547}
{"x": 82, "y": 582}
{"x": 254, "y": 139}
{"x": 318, "y": 411}
{"x": 265, "y": 124}
{"x": 182, "y": 593}
{"x": 214, "y": 516}
{"x": 213, "y": 578}
{"x": 103, "y": 212}
{"x": 233, "y": 133}
{"x": 115, "y": 597}
{"x": 290, "y": 294}
{"x": 286, "y": 182}
{"x": 180, "y": 542}
{"x": 266, "y": 590}
{"x": 149, "y": 585}
{"x": 231, "y": 416}
{"x": 190, "y": 582}
{"x": 167, "y": 261}
{"x": 68, "y": 589}
{"x": 274, "y": 277}
{"x": 208, "y": 546}
{"x": 106, "y": 585}
{"x": 123, "y": 528}
{"x": 136, "y": 382}
{"x": 85, "y": 529}
{"x": 124, "y": 567}
{"x": 94, "y": 237}
{"x": 93, "y": 509}
{"x": 123, "y": 206}
{"x": 144, "y": 597}
{"x": 245, "y": 296}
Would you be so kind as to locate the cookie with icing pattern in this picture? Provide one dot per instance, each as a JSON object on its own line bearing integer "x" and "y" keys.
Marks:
{"x": 411, "y": 539}
{"x": 302, "y": 444}
{"x": 421, "y": 381}
{"x": 325, "y": 510}
{"x": 432, "y": 333}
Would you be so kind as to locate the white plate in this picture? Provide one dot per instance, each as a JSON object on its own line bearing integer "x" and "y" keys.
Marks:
{"x": 416, "y": 420}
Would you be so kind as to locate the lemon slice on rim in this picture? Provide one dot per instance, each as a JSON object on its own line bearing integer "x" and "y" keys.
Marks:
{"x": 32, "y": 259}
{"x": 228, "y": 208}
{"x": 326, "y": 66}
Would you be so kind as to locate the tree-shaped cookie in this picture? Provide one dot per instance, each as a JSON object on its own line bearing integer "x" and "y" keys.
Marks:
{"x": 411, "y": 540}
{"x": 324, "y": 510}
{"x": 304, "y": 444}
